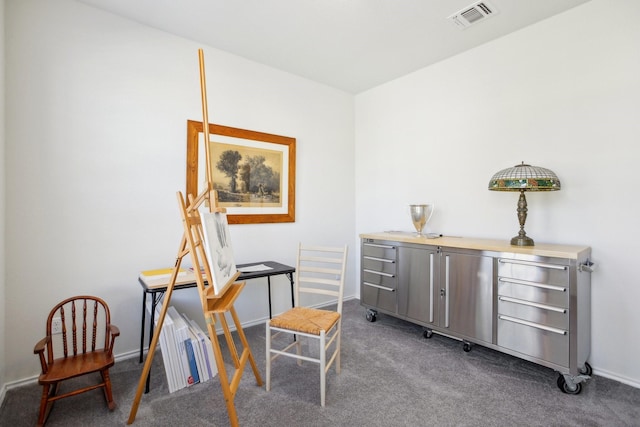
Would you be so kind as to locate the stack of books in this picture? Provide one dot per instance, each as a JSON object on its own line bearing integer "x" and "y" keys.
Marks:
{"x": 160, "y": 277}
{"x": 186, "y": 350}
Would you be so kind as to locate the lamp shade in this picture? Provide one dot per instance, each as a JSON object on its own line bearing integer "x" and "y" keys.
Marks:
{"x": 524, "y": 177}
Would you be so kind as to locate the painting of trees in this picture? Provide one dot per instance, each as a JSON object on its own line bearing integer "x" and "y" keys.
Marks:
{"x": 262, "y": 176}
{"x": 251, "y": 176}
{"x": 228, "y": 164}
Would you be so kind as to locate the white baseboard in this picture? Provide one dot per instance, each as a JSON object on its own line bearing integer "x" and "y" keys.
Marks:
{"x": 616, "y": 377}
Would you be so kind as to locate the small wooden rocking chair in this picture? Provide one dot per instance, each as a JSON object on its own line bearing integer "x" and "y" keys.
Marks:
{"x": 75, "y": 350}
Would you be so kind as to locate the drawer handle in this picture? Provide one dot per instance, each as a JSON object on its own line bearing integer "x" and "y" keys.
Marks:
{"x": 392, "y": 261}
{"x": 533, "y": 264}
{"x": 534, "y": 284}
{"x": 379, "y": 287}
{"x": 532, "y": 304}
{"x": 379, "y": 273}
{"x": 375, "y": 245}
{"x": 533, "y": 325}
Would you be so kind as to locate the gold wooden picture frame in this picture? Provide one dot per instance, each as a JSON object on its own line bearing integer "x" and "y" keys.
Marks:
{"x": 253, "y": 172}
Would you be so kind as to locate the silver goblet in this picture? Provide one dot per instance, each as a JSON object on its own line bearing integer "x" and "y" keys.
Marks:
{"x": 420, "y": 215}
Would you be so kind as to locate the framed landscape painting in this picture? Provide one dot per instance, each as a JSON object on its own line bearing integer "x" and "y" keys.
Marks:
{"x": 252, "y": 172}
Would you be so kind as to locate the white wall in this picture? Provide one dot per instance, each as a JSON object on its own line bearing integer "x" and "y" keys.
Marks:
{"x": 561, "y": 94}
{"x": 95, "y": 152}
{"x": 2, "y": 211}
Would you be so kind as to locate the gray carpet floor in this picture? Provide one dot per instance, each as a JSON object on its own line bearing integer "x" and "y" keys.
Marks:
{"x": 391, "y": 376}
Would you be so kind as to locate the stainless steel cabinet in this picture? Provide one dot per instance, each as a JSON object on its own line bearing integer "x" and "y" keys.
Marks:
{"x": 533, "y": 309}
{"x": 544, "y": 307}
{"x": 443, "y": 290}
{"x": 398, "y": 280}
{"x": 533, "y": 303}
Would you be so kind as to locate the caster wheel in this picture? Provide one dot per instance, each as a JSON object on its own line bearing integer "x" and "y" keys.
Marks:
{"x": 565, "y": 388}
{"x": 370, "y": 316}
{"x": 466, "y": 347}
{"x": 427, "y": 333}
{"x": 587, "y": 370}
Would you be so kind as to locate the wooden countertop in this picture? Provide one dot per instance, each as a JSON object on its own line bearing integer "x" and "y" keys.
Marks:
{"x": 540, "y": 249}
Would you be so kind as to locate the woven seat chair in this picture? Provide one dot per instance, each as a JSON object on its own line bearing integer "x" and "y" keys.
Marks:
{"x": 320, "y": 271}
{"x": 83, "y": 345}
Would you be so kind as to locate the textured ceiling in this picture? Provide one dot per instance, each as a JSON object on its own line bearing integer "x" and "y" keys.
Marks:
{"x": 352, "y": 45}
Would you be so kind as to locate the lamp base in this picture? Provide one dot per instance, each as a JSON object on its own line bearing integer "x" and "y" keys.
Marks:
{"x": 522, "y": 241}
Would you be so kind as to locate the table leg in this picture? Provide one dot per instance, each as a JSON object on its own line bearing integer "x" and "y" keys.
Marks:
{"x": 269, "y": 288}
{"x": 152, "y": 321}
{"x": 290, "y": 276}
{"x": 144, "y": 303}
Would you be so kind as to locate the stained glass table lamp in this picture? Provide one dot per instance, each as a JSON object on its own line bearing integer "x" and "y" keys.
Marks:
{"x": 524, "y": 178}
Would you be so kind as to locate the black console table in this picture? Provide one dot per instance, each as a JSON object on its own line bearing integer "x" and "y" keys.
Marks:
{"x": 157, "y": 292}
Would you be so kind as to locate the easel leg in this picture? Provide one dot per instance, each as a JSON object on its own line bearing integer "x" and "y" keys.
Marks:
{"x": 245, "y": 345}
{"x": 156, "y": 335}
{"x": 232, "y": 345}
{"x": 222, "y": 372}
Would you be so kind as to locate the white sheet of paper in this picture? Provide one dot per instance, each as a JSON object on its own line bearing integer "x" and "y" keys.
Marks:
{"x": 217, "y": 244}
{"x": 254, "y": 268}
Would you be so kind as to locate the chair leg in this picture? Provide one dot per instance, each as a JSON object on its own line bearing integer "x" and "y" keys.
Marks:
{"x": 299, "y": 349}
{"x": 323, "y": 361}
{"x": 43, "y": 405}
{"x": 107, "y": 389}
{"x": 339, "y": 332}
{"x": 268, "y": 348}
{"x": 49, "y": 390}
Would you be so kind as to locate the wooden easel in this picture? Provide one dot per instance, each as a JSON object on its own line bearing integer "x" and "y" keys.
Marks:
{"x": 213, "y": 304}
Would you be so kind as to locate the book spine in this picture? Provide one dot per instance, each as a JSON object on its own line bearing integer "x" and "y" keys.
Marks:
{"x": 179, "y": 337}
{"x": 205, "y": 353}
{"x": 193, "y": 368}
{"x": 166, "y": 357}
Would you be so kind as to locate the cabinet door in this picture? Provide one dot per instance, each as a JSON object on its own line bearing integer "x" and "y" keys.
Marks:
{"x": 467, "y": 295}
{"x": 416, "y": 283}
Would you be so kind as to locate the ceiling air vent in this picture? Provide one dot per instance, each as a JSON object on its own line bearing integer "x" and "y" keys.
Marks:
{"x": 473, "y": 14}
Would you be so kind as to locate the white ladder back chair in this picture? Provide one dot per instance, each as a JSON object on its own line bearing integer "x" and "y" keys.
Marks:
{"x": 320, "y": 270}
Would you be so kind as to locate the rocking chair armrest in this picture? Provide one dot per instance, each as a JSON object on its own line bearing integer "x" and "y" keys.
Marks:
{"x": 114, "y": 331}
{"x": 39, "y": 350}
{"x": 40, "y": 346}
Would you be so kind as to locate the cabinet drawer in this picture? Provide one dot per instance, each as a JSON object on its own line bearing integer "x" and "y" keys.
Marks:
{"x": 541, "y": 293}
{"x": 384, "y": 265}
{"x": 378, "y": 278}
{"x": 534, "y": 340}
{"x": 543, "y": 314}
{"x": 534, "y": 271}
{"x": 378, "y": 296}
{"x": 376, "y": 249}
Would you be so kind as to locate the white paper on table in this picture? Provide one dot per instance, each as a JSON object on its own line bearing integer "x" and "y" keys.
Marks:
{"x": 254, "y": 268}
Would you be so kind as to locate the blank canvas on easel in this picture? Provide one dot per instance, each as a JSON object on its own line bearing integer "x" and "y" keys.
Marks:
{"x": 217, "y": 244}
